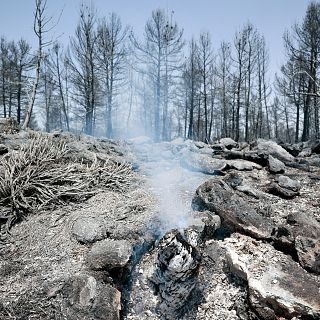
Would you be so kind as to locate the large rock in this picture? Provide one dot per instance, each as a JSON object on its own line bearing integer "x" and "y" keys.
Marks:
{"x": 305, "y": 152}
{"x": 89, "y": 229}
{"x": 235, "y": 212}
{"x": 273, "y": 149}
{"x": 285, "y": 187}
{"x": 314, "y": 161}
{"x": 201, "y": 147}
{"x": 242, "y": 165}
{"x": 228, "y": 143}
{"x": 259, "y": 157}
{"x": 308, "y": 251}
{"x": 88, "y": 299}
{"x": 302, "y": 224}
{"x": 298, "y": 224}
{"x": 275, "y": 165}
{"x": 293, "y": 149}
{"x": 314, "y": 145}
{"x": 288, "y": 183}
{"x": 278, "y": 286}
{"x": 202, "y": 227}
{"x": 202, "y": 163}
{"x": 109, "y": 254}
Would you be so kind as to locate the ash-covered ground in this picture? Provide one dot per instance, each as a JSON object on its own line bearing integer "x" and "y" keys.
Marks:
{"x": 174, "y": 230}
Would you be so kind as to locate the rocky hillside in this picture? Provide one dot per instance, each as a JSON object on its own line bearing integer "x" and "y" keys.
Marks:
{"x": 93, "y": 229}
{"x": 251, "y": 250}
{"x": 71, "y": 209}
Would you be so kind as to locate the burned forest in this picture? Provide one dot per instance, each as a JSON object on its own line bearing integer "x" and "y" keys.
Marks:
{"x": 150, "y": 172}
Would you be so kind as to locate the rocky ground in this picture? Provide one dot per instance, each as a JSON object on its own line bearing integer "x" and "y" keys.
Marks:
{"x": 50, "y": 267}
{"x": 182, "y": 230}
{"x": 255, "y": 226}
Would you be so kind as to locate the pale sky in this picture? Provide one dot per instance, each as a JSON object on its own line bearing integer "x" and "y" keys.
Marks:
{"x": 220, "y": 17}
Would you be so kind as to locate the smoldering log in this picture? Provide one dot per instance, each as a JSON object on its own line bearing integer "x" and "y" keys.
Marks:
{"x": 176, "y": 273}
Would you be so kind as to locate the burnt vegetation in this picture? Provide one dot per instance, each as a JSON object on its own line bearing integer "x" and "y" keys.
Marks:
{"x": 109, "y": 81}
{"x": 83, "y": 236}
{"x": 42, "y": 174}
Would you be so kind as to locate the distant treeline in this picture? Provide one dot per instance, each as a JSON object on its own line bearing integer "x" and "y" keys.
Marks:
{"x": 108, "y": 82}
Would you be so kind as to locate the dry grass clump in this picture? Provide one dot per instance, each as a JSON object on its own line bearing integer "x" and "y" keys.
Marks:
{"x": 38, "y": 176}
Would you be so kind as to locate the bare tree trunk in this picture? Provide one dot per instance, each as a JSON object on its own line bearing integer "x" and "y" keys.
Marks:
{"x": 166, "y": 92}
{"x": 259, "y": 117}
{"x": 130, "y": 103}
{"x": 64, "y": 108}
{"x": 211, "y": 115}
{"x": 19, "y": 89}
{"x": 47, "y": 107}
{"x": 287, "y": 122}
{"x": 265, "y": 92}
{"x": 316, "y": 119}
{"x": 109, "y": 132}
{"x": 306, "y": 115}
{"x": 246, "y": 134}
{"x": 297, "y": 101}
{"x": 39, "y": 23}
{"x": 186, "y": 118}
{"x": 34, "y": 91}
{"x": 4, "y": 94}
{"x": 190, "y": 128}
{"x": 199, "y": 118}
{"x": 157, "y": 106}
{"x": 237, "y": 117}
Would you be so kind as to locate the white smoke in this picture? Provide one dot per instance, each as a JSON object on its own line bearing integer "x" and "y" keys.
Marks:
{"x": 172, "y": 184}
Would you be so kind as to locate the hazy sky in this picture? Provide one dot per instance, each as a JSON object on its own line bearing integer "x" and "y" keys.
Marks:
{"x": 220, "y": 17}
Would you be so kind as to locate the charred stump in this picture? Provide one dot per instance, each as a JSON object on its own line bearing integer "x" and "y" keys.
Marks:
{"x": 176, "y": 274}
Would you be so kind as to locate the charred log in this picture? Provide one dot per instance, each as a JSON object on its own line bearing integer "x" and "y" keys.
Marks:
{"x": 176, "y": 274}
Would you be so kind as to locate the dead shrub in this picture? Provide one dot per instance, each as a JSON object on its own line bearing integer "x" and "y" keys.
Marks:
{"x": 38, "y": 176}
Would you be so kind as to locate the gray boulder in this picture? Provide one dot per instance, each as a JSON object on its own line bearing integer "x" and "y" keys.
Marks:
{"x": 88, "y": 299}
{"x": 242, "y": 165}
{"x": 259, "y": 157}
{"x": 272, "y": 148}
{"x": 275, "y": 165}
{"x": 278, "y": 286}
{"x": 201, "y": 147}
{"x": 218, "y": 149}
{"x": 308, "y": 251}
{"x": 316, "y": 147}
{"x": 202, "y": 227}
{"x": 202, "y": 163}
{"x": 89, "y": 229}
{"x": 109, "y": 254}
{"x": 286, "y": 182}
{"x": 306, "y": 152}
{"x": 293, "y": 149}
{"x": 289, "y": 237}
{"x": 302, "y": 224}
{"x": 314, "y": 161}
{"x": 228, "y": 143}
{"x": 285, "y": 187}
{"x": 235, "y": 211}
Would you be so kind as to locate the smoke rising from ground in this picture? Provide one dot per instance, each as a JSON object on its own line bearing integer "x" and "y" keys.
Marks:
{"x": 172, "y": 184}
